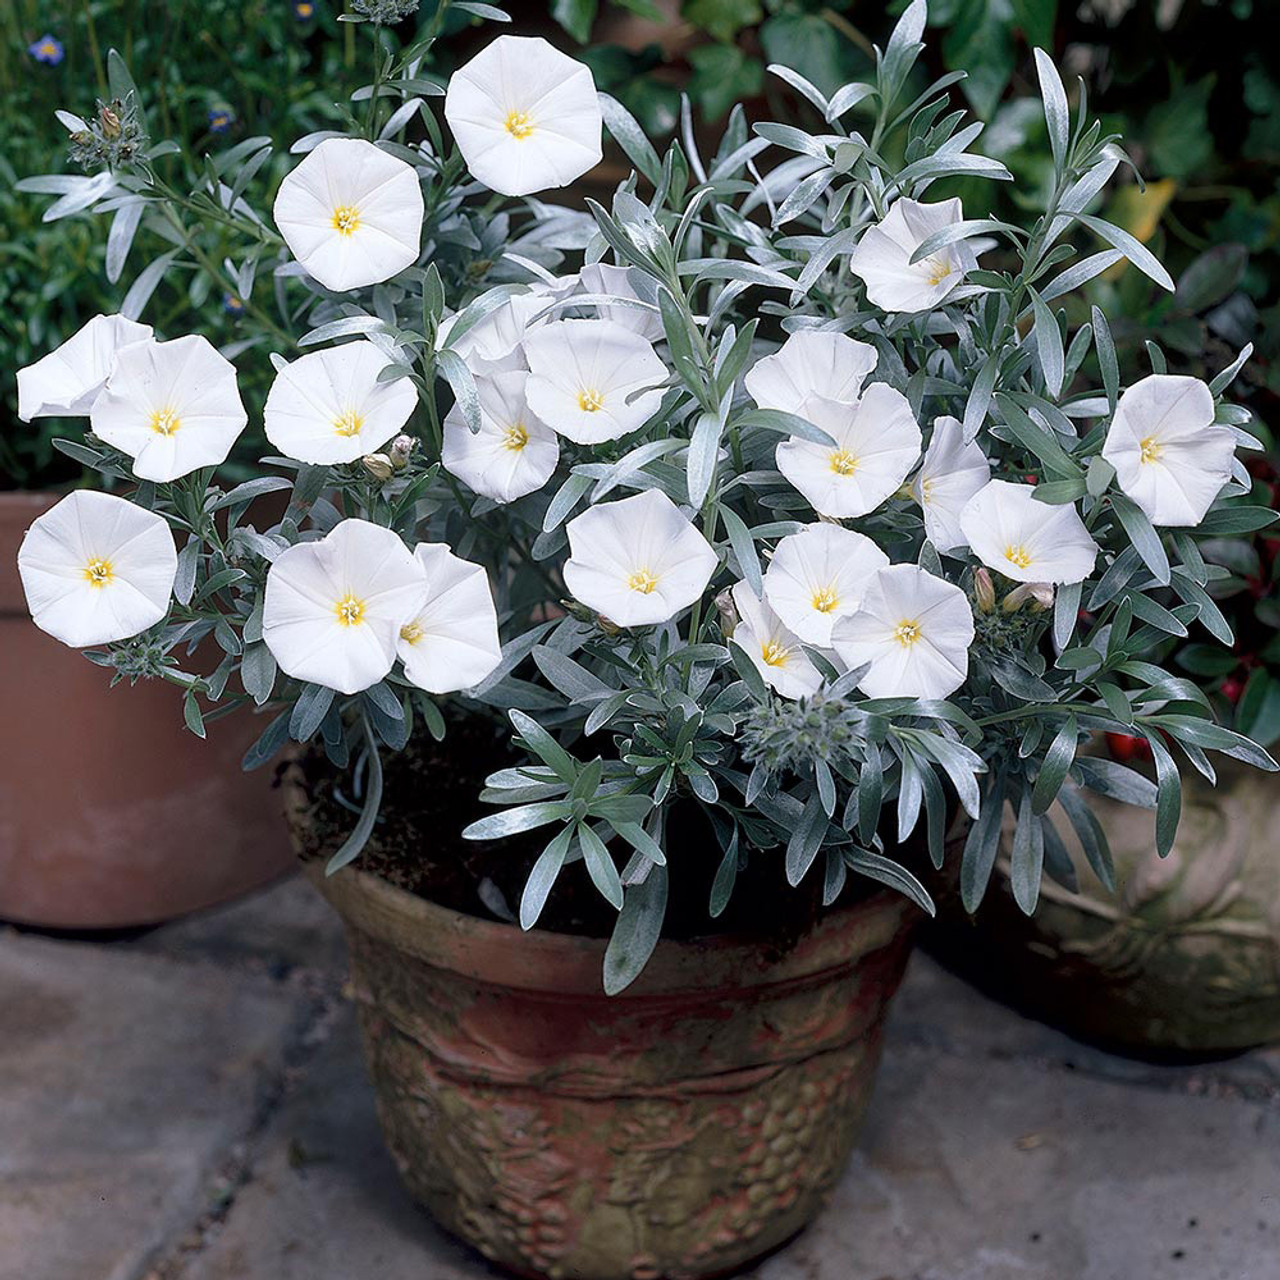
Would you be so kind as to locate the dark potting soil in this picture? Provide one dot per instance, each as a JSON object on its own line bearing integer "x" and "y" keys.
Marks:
{"x": 431, "y": 792}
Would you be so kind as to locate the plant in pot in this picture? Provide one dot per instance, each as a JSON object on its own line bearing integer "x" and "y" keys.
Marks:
{"x": 701, "y": 526}
{"x": 1175, "y": 950}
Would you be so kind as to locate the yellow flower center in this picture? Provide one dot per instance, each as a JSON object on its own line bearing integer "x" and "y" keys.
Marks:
{"x": 346, "y": 218}
{"x": 411, "y": 633}
{"x": 825, "y": 599}
{"x": 515, "y": 437}
{"x": 348, "y": 423}
{"x": 1018, "y": 555}
{"x": 926, "y": 489}
{"x": 164, "y": 422}
{"x": 590, "y": 400}
{"x": 98, "y": 572}
{"x": 843, "y": 463}
{"x": 907, "y": 632}
{"x": 518, "y": 125}
{"x": 938, "y": 270}
{"x": 350, "y": 611}
{"x": 642, "y": 581}
{"x": 1151, "y": 449}
{"x": 774, "y": 653}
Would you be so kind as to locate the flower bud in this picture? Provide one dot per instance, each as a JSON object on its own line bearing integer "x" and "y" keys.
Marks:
{"x": 984, "y": 591}
{"x": 1039, "y": 594}
{"x": 378, "y": 465}
{"x": 728, "y": 612}
{"x": 401, "y": 450}
{"x": 109, "y": 119}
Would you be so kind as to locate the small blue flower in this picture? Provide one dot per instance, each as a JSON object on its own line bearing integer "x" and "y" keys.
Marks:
{"x": 232, "y": 305}
{"x": 221, "y": 119}
{"x": 304, "y": 10}
{"x": 47, "y": 49}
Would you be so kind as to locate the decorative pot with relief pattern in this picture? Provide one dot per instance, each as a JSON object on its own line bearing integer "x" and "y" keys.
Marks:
{"x": 679, "y": 1129}
{"x": 1184, "y": 957}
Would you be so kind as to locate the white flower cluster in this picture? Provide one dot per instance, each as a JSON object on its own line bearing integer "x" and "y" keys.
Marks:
{"x": 340, "y": 610}
{"x": 505, "y": 413}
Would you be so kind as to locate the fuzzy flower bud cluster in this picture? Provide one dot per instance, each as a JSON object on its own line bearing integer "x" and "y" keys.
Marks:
{"x": 385, "y": 12}
{"x": 114, "y": 139}
{"x": 784, "y": 735}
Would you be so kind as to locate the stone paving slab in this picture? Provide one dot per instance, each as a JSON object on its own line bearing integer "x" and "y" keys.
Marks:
{"x": 124, "y": 1084}
{"x": 996, "y": 1148}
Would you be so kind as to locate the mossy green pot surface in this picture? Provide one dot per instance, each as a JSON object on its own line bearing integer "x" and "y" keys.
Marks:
{"x": 1184, "y": 956}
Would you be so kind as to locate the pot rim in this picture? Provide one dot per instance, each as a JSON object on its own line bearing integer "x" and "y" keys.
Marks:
{"x": 506, "y": 955}
{"x": 500, "y": 954}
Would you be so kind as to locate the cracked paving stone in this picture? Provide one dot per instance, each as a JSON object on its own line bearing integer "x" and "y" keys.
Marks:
{"x": 127, "y": 1080}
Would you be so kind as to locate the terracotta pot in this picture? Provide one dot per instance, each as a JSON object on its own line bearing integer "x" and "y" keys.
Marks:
{"x": 680, "y": 1129}
{"x": 1184, "y": 957}
{"x": 111, "y": 814}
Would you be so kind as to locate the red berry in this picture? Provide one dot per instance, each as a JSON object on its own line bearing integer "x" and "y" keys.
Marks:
{"x": 1125, "y": 747}
{"x": 1232, "y": 688}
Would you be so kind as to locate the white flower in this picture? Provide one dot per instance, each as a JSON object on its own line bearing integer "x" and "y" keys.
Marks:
{"x": 811, "y": 363}
{"x": 883, "y": 257}
{"x": 951, "y": 473}
{"x": 96, "y": 569}
{"x": 66, "y": 382}
{"x": 774, "y": 651}
{"x": 525, "y": 116}
{"x": 1169, "y": 457}
{"x": 513, "y": 453}
{"x": 587, "y": 378}
{"x": 914, "y": 630}
{"x": 619, "y": 282}
{"x": 334, "y": 608}
{"x": 877, "y": 443}
{"x": 173, "y": 407}
{"x": 1026, "y": 540}
{"x": 451, "y": 643}
{"x": 329, "y": 406}
{"x": 637, "y": 561}
{"x": 818, "y": 576}
{"x": 351, "y": 214}
{"x": 493, "y": 344}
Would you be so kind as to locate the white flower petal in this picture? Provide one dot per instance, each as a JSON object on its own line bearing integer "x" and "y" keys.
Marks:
{"x": 1026, "y": 540}
{"x": 951, "y": 473}
{"x": 452, "y": 642}
{"x": 818, "y": 576}
{"x": 66, "y": 382}
{"x": 882, "y": 258}
{"x": 811, "y": 363}
{"x": 915, "y": 631}
{"x": 599, "y": 278}
{"x": 334, "y": 608}
{"x": 173, "y": 407}
{"x": 351, "y": 214}
{"x": 775, "y": 652}
{"x": 329, "y": 407}
{"x": 525, "y": 116}
{"x": 587, "y": 379}
{"x": 878, "y": 443}
{"x": 513, "y": 453}
{"x": 637, "y": 561}
{"x": 96, "y": 569}
{"x": 1169, "y": 456}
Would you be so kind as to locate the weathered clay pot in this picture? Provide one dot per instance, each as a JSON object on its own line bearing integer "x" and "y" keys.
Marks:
{"x": 111, "y": 813}
{"x": 679, "y": 1129}
{"x": 1184, "y": 957}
